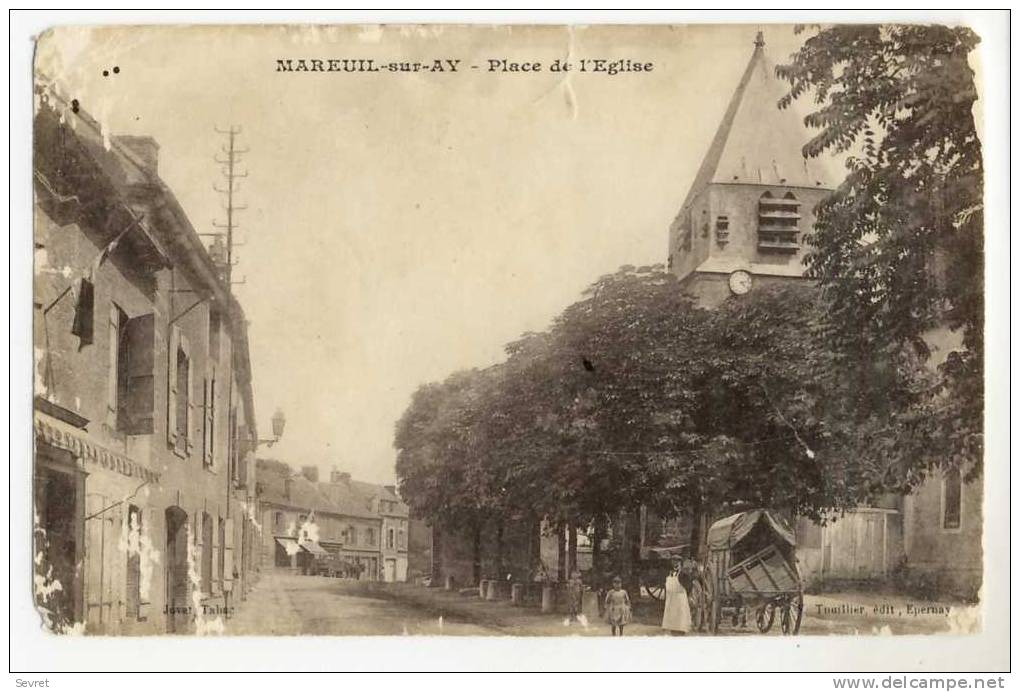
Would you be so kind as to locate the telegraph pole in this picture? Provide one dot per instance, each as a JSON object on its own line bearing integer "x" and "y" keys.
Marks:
{"x": 228, "y": 161}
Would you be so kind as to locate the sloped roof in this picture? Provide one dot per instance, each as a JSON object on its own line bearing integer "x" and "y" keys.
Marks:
{"x": 372, "y": 491}
{"x": 756, "y": 142}
{"x": 304, "y": 494}
{"x": 349, "y": 501}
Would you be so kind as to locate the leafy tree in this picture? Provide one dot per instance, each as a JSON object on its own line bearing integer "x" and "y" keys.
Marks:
{"x": 635, "y": 397}
{"x": 898, "y": 248}
{"x": 438, "y": 455}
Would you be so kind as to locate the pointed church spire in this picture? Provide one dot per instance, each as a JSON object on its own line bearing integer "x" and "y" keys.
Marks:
{"x": 757, "y": 143}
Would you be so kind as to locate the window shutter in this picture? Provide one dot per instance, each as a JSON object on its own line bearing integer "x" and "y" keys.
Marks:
{"x": 189, "y": 442}
{"x": 84, "y": 311}
{"x": 171, "y": 398}
{"x": 212, "y": 418}
{"x": 228, "y": 555}
{"x": 137, "y": 410}
{"x": 207, "y": 422}
{"x": 242, "y": 469}
{"x": 113, "y": 359}
{"x": 214, "y": 587}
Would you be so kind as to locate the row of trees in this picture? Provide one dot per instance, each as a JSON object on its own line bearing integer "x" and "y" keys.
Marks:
{"x": 790, "y": 397}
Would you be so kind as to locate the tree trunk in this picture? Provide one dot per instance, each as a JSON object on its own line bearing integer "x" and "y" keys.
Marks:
{"x": 596, "y": 553}
{"x": 476, "y": 567}
{"x": 535, "y": 547}
{"x": 627, "y": 549}
{"x": 561, "y": 552}
{"x": 699, "y": 532}
{"x": 437, "y": 555}
{"x": 571, "y": 548}
{"x": 500, "y": 562}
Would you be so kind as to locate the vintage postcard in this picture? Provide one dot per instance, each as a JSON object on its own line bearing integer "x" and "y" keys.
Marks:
{"x": 551, "y": 331}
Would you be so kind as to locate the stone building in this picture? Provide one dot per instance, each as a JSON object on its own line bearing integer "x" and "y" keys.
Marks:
{"x": 361, "y": 524}
{"x": 304, "y": 519}
{"x": 393, "y": 515}
{"x": 144, "y": 419}
{"x": 743, "y": 224}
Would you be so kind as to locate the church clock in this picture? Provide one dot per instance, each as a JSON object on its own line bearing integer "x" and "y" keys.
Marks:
{"x": 740, "y": 282}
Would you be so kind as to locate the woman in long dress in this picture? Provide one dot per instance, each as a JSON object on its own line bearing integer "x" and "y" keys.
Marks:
{"x": 676, "y": 616}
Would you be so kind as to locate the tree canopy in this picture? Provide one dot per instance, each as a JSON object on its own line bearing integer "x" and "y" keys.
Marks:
{"x": 635, "y": 396}
{"x": 898, "y": 248}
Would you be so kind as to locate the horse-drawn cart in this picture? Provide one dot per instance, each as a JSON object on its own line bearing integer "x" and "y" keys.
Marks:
{"x": 752, "y": 564}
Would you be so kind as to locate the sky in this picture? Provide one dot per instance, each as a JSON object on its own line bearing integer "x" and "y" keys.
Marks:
{"x": 400, "y": 227}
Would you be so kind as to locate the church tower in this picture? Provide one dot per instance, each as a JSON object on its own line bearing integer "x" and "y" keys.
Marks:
{"x": 746, "y": 216}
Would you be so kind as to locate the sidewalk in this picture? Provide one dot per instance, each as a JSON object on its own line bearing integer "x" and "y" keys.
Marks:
{"x": 266, "y": 611}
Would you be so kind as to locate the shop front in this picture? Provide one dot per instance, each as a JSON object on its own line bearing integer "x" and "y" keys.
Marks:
{"x": 90, "y": 512}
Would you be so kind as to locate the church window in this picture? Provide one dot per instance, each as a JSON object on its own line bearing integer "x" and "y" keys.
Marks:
{"x": 952, "y": 500}
{"x": 722, "y": 230}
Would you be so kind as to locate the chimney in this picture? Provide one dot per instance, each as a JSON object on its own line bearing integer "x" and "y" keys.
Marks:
{"x": 311, "y": 473}
{"x": 288, "y": 483}
{"x": 145, "y": 148}
{"x": 339, "y": 477}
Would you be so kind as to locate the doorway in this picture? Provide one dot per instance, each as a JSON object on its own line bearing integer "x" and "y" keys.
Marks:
{"x": 178, "y": 606}
{"x": 59, "y": 534}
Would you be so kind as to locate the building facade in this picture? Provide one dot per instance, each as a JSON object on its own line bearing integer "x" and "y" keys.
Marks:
{"x": 393, "y": 516}
{"x": 144, "y": 418}
{"x": 362, "y": 525}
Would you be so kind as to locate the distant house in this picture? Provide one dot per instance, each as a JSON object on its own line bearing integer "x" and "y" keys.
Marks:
{"x": 393, "y": 515}
{"x": 303, "y": 519}
{"x": 362, "y": 524}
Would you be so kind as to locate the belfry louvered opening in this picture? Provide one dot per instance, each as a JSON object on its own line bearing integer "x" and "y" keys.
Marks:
{"x": 778, "y": 223}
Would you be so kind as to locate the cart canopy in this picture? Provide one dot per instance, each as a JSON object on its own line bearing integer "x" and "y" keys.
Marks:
{"x": 728, "y": 532}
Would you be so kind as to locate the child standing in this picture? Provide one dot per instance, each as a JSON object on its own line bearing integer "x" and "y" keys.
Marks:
{"x": 617, "y": 607}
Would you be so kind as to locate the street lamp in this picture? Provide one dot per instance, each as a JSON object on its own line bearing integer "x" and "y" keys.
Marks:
{"x": 279, "y": 422}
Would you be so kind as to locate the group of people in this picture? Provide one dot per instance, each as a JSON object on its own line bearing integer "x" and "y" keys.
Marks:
{"x": 676, "y": 616}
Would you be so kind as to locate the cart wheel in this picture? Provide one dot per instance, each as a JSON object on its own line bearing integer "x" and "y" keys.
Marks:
{"x": 656, "y": 592}
{"x": 793, "y": 611}
{"x": 797, "y": 606}
{"x": 766, "y": 616}
{"x": 696, "y": 599}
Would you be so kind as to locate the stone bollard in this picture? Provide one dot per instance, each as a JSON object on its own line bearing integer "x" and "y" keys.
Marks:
{"x": 491, "y": 593}
{"x": 483, "y": 587}
{"x": 448, "y": 583}
{"x": 590, "y": 606}
{"x": 548, "y": 598}
{"x": 517, "y": 594}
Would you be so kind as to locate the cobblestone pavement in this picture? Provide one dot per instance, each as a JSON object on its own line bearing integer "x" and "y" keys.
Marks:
{"x": 283, "y": 603}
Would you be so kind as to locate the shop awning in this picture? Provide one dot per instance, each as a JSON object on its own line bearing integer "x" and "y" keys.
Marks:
{"x": 90, "y": 454}
{"x": 315, "y": 549}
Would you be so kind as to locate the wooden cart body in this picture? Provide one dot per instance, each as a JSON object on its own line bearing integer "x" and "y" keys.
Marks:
{"x": 752, "y": 564}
